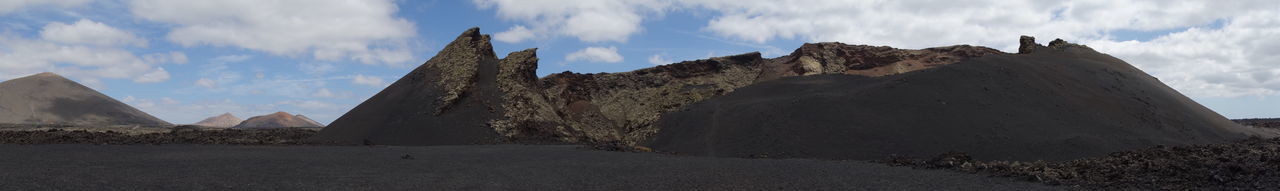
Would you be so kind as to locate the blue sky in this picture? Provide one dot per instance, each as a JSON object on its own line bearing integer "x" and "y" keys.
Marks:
{"x": 183, "y": 61}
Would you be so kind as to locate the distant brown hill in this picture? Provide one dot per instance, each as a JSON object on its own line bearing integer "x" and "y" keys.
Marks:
{"x": 279, "y": 120}
{"x": 226, "y": 120}
{"x": 48, "y": 98}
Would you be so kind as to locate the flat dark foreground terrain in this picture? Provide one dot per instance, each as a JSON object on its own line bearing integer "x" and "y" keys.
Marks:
{"x": 489, "y": 167}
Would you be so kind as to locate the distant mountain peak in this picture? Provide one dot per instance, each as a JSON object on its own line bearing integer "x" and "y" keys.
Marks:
{"x": 48, "y": 98}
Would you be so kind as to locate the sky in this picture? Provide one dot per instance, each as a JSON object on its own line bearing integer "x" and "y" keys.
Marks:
{"x": 183, "y": 61}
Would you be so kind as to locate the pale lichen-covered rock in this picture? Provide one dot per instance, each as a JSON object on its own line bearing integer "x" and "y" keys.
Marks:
{"x": 1027, "y": 44}
{"x": 458, "y": 71}
{"x": 528, "y": 115}
{"x": 448, "y": 100}
{"x": 873, "y": 61}
{"x": 622, "y": 106}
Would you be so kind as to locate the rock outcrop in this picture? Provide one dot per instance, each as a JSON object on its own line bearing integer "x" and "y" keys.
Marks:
{"x": 466, "y": 95}
{"x": 226, "y": 120}
{"x": 48, "y": 98}
{"x": 278, "y": 120}
{"x": 873, "y": 61}
{"x": 451, "y": 99}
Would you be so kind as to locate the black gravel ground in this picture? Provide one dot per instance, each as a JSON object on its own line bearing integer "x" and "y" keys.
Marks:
{"x": 286, "y": 136}
{"x": 1252, "y": 164}
{"x": 473, "y": 167}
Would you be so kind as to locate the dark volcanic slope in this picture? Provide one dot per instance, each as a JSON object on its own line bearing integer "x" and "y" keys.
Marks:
{"x": 47, "y": 98}
{"x": 448, "y": 100}
{"x": 496, "y": 167}
{"x": 1059, "y": 102}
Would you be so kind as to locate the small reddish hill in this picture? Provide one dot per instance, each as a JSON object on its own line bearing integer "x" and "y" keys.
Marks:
{"x": 278, "y": 120}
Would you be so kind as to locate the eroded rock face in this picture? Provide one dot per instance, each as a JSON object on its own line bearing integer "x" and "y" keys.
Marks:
{"x": 448, "y": 100}
{"x": 621, "y": 107}
{"x": 457, "y": 72}
{"x": 1027, "y": 44}
{"x": 873, "y": 61}
{"x": 528, "y": 115}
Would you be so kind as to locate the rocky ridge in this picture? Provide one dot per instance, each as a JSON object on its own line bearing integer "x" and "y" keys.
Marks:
{"x": 511, "y": 104}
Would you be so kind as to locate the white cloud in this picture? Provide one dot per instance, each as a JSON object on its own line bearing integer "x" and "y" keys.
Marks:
{"x": 231, "y": 58}
{"x": 74, "y": 57}
{"x": 326, "y": 93}
{"x": 94, "y": 83}
{"x": 309, "y": 104}
{"x": 89, "y": 33}
{"x": 658, "y": 60}
{"x": 157, "y": 75}
{"x": 8, "y": 6}
{"x": 162, "y": 58}
{"x": 364, "y": 31}
{"x": 168, "y": 100}
{"x": 516, "y": 34}
{"x": 595, "y": 54}
{"x": 1240, "y": 59}
{"x": 206, "y": 82}
{"x": 590, "y": 21}
{"x": 367, "y": 80}
{"x": 907, "y": 23}
{"x": 178, "y": 57}
{"x": 316, "y": 68}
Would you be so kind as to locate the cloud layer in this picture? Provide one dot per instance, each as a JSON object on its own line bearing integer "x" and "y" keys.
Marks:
{"x": 595, "y": 54}
{"x": 85, "y": 50}
{"x": 1197, "y": 58}
{"x": 363, "y": 31}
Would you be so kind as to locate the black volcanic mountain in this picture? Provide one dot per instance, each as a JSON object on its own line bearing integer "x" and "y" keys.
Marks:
{"x": 448, "y": 100}
{"x": 825, "y": 100}
{"x": 48, "y": 98}
{"x": 466, "y": 95}
{"x": 1063, "y": 101}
